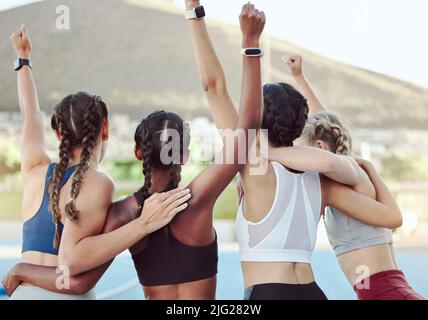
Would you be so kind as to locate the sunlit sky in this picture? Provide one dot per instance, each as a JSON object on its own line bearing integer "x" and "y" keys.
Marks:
{"x": 388, "y": 36}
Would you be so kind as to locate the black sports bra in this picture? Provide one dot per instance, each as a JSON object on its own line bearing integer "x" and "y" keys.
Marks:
{"x": 166, "y": 260}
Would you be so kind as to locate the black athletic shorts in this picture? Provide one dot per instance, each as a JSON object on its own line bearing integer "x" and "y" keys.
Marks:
{"x": 280, "y": 291}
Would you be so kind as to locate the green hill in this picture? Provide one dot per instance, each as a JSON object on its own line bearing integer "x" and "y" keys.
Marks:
{"x": 137, "y": 54}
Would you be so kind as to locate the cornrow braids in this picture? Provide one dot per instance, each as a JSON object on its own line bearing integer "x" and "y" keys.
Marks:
{"x": 149, "y": 137}
{"x": 175, "y": 177}
{"x": 327, "y": 127}
{"x": 285, "y": 114}
{"x": 147, "y": 149}
{"x": 78, "y": 119}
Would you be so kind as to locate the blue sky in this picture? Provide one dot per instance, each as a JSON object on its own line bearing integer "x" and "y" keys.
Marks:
{"x": 387, "y": 36}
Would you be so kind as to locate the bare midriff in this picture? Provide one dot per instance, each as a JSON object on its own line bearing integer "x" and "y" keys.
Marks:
{"x": 363, "y": 263}
{"x": 197, "y": 290}
{"x": 276, "y": 272}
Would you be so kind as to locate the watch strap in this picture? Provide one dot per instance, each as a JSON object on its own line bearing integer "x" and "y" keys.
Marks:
{"x": 190, "y": 14}
{"x": 19, "y": 63}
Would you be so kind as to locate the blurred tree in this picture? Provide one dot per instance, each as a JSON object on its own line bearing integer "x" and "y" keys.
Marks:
{"x": 401, "y": 167}
{"x": 10, "y": 158}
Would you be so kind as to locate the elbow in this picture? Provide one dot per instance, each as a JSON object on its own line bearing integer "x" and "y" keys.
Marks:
{"x": 395, "y": 220}
{"x": 214, "y": 84}
{"x": 398, "y": 221}
{"x": 336, "y": 165}
{"x": 70, "y": 264}
{"x": 79, "y": 287}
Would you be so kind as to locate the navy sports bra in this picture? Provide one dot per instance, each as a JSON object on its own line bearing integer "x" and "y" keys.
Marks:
{"x": 39, "y": 231}
{"x": 165, "y": 260}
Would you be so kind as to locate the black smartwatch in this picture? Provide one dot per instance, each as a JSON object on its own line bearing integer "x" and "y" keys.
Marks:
{"x": 196, "y": 13}
{"x": 252, "y": 52}
{"x": 19, "y": 63}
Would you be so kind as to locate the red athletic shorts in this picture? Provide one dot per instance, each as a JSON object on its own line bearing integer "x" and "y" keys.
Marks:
{"x": 387, "y": 285}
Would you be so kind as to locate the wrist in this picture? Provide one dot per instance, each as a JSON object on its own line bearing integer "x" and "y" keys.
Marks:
{"x": 300, "y": 77}
{"x": 17, "y": 272}
{"x": 142, "y": 227}
{"x": 25, "y": 56}
{"x": 190, "y": 4}
{"x": 250, "y": 43}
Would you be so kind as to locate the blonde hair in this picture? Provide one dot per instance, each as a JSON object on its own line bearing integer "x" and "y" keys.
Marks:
{"x": 327, "y": 127}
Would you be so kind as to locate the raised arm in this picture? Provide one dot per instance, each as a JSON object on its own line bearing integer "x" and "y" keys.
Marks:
{"x": 120, "y": 213}
{"x": 342, "y": 169}
{"x": 295, "y": 64}
{"x": 383, "y": 213}
{"x": 33, "y": 150}
{"x": 211, "y": 72}
{"x": 211, "y": 182}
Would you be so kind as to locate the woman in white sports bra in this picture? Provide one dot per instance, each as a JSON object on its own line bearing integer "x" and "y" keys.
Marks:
{"x": 277, "y": 224}
{"x": 276, "y": 263}
{"x": 355, "y": 243}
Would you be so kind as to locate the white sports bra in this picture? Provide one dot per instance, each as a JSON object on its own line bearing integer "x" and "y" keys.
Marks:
{"x": 288, "y": 232}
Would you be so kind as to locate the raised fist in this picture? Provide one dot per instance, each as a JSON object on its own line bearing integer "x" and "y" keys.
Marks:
{"x": 21, "y": 42}
{"x": 295, "y": 64}
{"x": 252, "y": 23}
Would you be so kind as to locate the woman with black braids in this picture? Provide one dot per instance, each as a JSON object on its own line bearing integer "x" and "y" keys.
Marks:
{"x": 63, "y": 220}
{"x": 178, "y": 261}
{"x": 278, "y": 217}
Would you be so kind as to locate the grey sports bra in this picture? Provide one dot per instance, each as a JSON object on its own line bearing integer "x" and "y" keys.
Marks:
{"x": 347, "y": 234}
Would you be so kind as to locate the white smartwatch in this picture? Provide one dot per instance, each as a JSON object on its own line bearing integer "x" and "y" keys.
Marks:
{"x": 196, "y": 13}
{"x": 252, "y": 52}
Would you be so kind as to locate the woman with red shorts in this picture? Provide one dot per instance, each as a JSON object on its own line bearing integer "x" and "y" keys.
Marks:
{"x": 365, "y": 252}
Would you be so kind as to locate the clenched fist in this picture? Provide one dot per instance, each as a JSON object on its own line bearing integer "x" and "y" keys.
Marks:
{"x": 295, "y": 64}
{"x": 21, "y": 43}
{"x": 252, "y": 23}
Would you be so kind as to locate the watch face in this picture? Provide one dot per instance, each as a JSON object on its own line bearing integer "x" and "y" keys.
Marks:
{"x": 253, "y": 52}
{"x": 200, "y": 12}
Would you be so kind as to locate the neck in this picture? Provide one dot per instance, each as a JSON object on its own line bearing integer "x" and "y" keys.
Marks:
{"x": 75, "y": 158}
{"x": 160, "y": 179}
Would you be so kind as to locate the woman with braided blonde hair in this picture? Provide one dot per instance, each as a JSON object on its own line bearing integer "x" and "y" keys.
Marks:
{"x": 363, "y": 246}
{"x": 325, "y": 130}
{"x": 65, "y": 218}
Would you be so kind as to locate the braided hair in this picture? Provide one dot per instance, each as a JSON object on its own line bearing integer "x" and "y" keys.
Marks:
{"x": 78, "y": 119}
{"x": 285, "y": 114}
{"x": 150, "y": 138}
{"x": 327, "y": 127}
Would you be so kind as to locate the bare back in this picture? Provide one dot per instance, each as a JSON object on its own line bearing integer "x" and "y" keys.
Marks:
{"x": 259, "y": 197}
